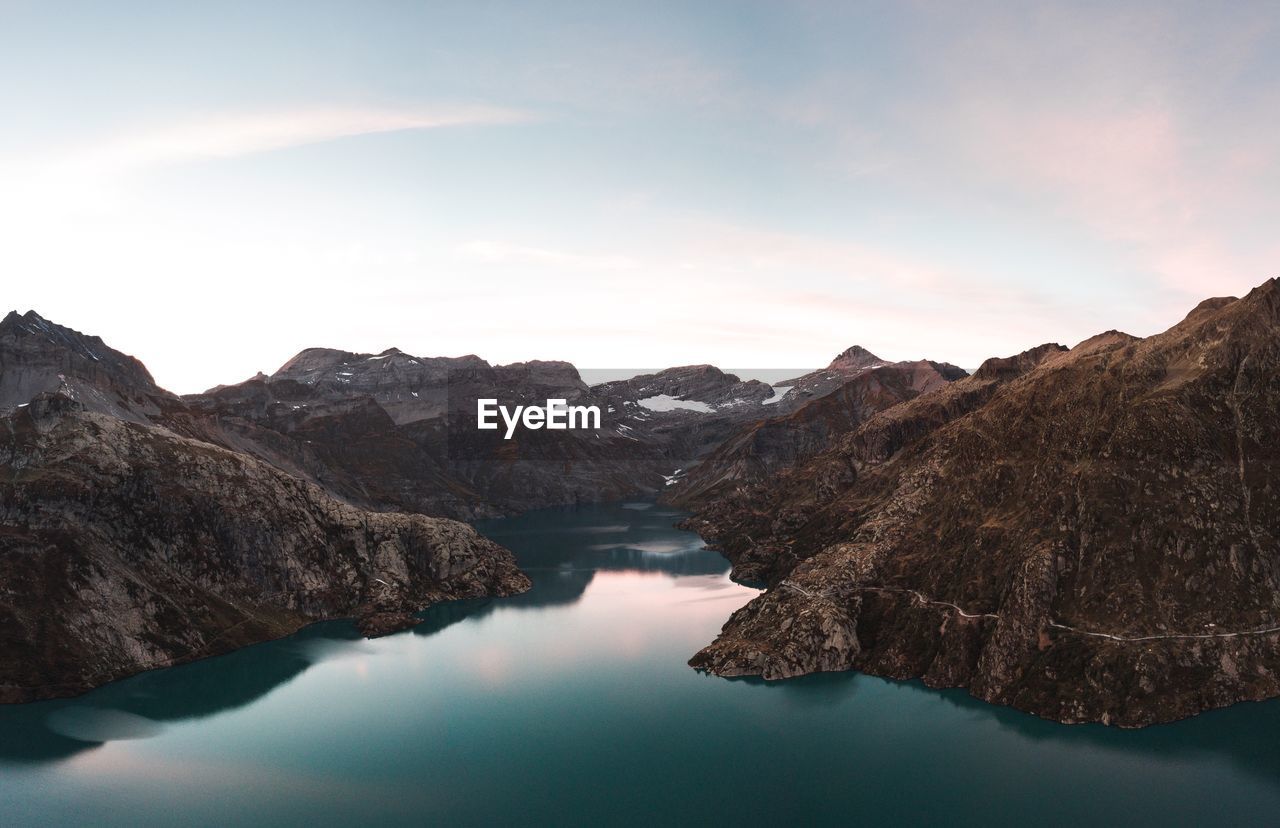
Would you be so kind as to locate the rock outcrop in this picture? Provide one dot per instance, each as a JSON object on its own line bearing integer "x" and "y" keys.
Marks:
{"x": 125, "y": 547}
{"x": 1087, "y": 535}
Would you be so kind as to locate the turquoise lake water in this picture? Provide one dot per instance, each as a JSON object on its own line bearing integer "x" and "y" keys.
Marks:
{"x": 573, "y": 705}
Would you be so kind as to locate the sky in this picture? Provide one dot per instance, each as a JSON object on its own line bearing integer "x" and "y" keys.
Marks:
{"x": 213, "y": 187}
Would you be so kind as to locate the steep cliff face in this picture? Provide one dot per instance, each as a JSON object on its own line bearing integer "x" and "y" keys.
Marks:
{"x": 1090, "y": 535}
{"x": 125, "y": 547}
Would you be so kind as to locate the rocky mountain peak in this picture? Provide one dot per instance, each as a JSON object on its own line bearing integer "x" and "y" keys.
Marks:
{"x": 36, "y": 331}
{"x": 1210, "y": 305}
{"x": 854, "y": 357}
{"x": 310, "y": 360}
{"x": 948, "y": 371}
{"x": 38, "y": 356}
{"x": 543, "y": 372}
{"x": 1265, "y": 296}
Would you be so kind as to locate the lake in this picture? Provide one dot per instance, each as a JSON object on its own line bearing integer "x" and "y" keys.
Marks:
{"x": 573, "y": 704}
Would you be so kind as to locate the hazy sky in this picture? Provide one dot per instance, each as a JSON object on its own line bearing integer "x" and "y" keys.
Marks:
{"x": 212, "y": 187}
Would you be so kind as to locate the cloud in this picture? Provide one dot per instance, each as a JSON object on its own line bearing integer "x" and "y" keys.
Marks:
{"x": 1113, "y": 122}
{"x": 80, "y": 174}
{"x": 1145, "y": 130}
{"x": 233, "y": 135}
{"x": 91, "y": 176}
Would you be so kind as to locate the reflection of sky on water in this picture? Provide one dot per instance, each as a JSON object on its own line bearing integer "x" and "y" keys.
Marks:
{"x": 574, "y": 701}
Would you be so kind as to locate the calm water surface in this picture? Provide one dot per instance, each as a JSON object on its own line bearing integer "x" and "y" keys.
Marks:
{"x": 573, "y": 704}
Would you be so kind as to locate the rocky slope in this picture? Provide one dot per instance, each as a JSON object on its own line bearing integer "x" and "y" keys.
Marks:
{"x": 1088, "y": 535}
{"x": 125, "y": 547}
{"x": 761, "y": 448}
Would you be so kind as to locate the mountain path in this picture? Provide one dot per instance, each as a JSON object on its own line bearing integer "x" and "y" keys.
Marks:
{"x": 921, "y": 598}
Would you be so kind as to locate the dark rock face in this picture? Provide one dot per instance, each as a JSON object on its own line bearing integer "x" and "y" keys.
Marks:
{"x": 378, "y": 624}
{"x": 125, "y": 547}
{"x": 139, "y": 530}
{"x": 1087, "y": 535}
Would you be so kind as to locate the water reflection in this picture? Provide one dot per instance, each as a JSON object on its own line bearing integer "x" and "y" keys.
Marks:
{"x": 137, "y": 706}
{"x": 573, "y": 703}
{"x": 640, "y": 541}
{"x": 1244, "y": 734}
{"x": 562, "y": 549}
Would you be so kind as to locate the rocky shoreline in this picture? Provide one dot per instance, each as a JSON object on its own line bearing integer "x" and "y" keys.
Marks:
{"x": 126, "y": 547}
{"x": 1088, "y": 535}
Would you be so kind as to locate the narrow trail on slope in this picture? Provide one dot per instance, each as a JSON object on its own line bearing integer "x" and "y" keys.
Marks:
{"x": 921, "y": 598}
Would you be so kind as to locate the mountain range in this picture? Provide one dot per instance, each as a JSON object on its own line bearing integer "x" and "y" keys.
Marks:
{"x": 1085, "y": 533}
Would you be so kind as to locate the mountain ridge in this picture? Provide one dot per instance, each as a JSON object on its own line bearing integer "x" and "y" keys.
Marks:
{"x": 1091, "y": 537}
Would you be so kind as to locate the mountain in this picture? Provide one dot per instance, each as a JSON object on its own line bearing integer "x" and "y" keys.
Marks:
{"x": 849, "y": 363}
{"x": 1089, "y": 534}
{"x": 125, "y": 547}
{"x": 128, "y": 542}
{"x": 685, "y": 412}
{"x": 413, "y": 388}
{"x": 38, "y": 356}
{"x": 395, "y": 431}
{"x": 697, "y": 388}
{"x": 761, "y": 448}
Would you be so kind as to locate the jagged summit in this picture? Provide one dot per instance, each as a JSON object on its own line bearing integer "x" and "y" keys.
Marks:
{"x": 33, "y": 326}
{"x": 38, "y": 356}
{"x": 1265, "y": 295}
